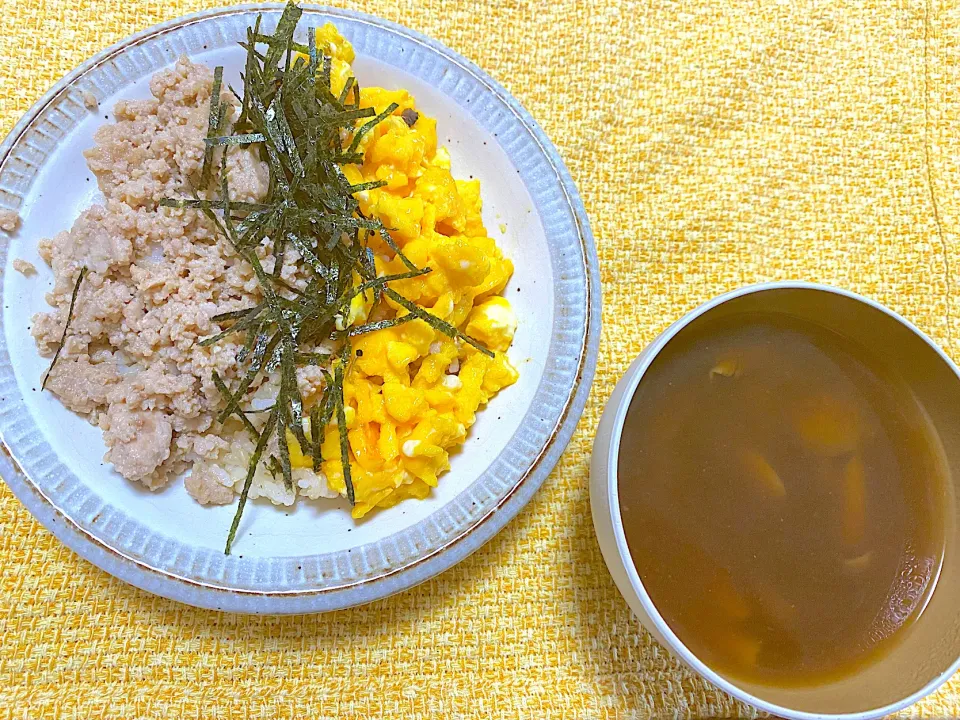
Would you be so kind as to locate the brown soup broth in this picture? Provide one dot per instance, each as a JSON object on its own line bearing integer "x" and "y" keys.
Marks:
{"x": 782, "y": 498}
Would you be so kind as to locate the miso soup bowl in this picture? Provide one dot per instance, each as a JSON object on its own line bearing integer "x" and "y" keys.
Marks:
{"x": 930, "y": 653}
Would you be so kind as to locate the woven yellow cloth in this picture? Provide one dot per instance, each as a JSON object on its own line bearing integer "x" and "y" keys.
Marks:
{"x": 715, "y": 143}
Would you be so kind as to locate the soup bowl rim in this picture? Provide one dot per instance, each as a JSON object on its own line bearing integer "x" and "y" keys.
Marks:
{"x": 608, "y": 523}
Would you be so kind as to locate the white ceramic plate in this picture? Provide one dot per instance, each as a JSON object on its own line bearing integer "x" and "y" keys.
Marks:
{"x": 315, "y": 558}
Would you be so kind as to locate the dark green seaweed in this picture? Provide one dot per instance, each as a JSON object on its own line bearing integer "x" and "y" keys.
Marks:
{"x": 291, "y": 118}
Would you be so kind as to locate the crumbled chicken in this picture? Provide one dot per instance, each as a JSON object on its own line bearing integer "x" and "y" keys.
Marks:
{"x": 81, "y": 385}
{"x": 156, "y": 276}
{"x": 139, "y": 443}
{"x": 24, "y": 267}
{"x": 9, "y": 220}
{"x": 204, "y": 488}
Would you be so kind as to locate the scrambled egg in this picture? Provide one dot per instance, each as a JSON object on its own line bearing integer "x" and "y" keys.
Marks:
{"x": 411, "y": 392}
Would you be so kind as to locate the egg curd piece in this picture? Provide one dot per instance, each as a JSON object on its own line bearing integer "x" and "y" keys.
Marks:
{"x": 411, "y": 393}
{"x": 332, "y": 44}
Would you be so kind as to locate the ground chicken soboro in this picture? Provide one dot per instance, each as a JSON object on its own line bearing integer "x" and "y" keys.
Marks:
{"x": 132, "y": 362}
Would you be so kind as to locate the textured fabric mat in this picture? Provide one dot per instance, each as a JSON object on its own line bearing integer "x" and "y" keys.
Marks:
{"x": 715, "y": 143}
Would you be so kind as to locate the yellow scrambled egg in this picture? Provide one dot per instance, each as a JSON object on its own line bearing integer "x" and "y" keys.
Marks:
{"x": 411, "y": 392}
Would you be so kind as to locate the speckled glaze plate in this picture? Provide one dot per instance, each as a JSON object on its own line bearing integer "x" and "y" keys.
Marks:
{"x": 315, "y": 557}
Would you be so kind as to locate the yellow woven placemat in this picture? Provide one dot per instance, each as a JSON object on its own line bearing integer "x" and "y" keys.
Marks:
{"x": 715, "y": 143}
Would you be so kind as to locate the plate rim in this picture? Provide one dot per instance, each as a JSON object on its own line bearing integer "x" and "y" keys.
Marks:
{"x": 201, "y": 594}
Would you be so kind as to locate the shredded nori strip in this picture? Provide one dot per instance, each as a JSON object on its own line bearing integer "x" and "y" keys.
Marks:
{"x": 66, "y": 325}
{"x": 214, "y": 123}
{"x": 342, "y": 420}
{"x": 284, "y": 452}
{"x": 372, "y": 185}
{"x": 243, "y": 324}
{"x": 247, "y": 139}
{"x": 347, "y": 87}
{"x": 237, "y": 314}
{"x": 281, "y": 40}
{"x": 251, "y": 470}
{"x": 233, "y": 402}
{"x": 311, "y": 358}
{"x": 290, "y": 117}
{"x": 315, "y": 432}
{"x": 212, "y": 205}
{"x": 435, "y": 322}
{"x": 273, "y": 465}
{"x": 312, "y": 52}
{"x": 379, "y": 325}
{"x": 358, "y": 135}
